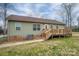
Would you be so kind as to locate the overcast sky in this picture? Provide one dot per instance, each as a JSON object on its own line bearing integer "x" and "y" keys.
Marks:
{"x": 44, "y": 10}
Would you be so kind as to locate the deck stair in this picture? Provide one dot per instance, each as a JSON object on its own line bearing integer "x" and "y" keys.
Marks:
{"x": 46, "y": 34}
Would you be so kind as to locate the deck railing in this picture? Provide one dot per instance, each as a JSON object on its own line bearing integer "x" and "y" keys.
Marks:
{"x": 53, "y": 32}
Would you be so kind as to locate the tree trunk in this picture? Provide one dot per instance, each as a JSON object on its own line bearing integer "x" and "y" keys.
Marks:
{"x": 5, "y": 10}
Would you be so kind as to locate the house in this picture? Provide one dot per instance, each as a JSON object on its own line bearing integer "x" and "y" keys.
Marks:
{"x": 24, "y": 25}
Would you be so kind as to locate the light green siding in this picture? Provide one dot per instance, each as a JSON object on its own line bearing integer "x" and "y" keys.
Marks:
{"x": 26, "y": 28}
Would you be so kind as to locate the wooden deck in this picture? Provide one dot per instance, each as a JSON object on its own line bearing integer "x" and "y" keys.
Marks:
{"x": 56, "y": 32}
{"x": 45, "y": 34}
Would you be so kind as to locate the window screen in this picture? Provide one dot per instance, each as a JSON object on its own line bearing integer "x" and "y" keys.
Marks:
{"x": 18, "y": 28}
{"x": 36, "y": 27}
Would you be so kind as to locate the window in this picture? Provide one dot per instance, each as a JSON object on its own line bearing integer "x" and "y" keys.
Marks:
{"x": 36, "y": 27}
{"x": 18, "y": 28}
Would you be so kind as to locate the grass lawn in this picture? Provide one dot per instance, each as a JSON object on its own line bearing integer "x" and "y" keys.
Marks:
{"x": 53, "y": 47}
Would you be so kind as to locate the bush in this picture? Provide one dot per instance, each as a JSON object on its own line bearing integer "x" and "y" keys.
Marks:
{"x": 75, "y": 30}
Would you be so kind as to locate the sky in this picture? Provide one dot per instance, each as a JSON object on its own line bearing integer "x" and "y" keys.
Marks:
{"x": 45, "y": 10}
{"x": 40, "y": 10}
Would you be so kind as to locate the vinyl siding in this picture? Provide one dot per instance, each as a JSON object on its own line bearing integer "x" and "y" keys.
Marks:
{"x": 26, "y": 28}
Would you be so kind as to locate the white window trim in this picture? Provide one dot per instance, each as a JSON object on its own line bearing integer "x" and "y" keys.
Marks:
{"x": 17, "y": 24}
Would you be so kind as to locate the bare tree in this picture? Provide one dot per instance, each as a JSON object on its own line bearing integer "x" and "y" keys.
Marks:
{"x": 68, "y": 9}
{"x": 3, "y": 15}
{"x": 78, "y": 21}
{"x": 5, "y": 11}
{"x": 62, "y": 15}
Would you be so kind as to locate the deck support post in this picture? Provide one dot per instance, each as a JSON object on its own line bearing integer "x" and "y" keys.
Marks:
{"x": 59, "y": 36}
{"x": 64, "y": 35}
{"x": 52, "y": 36}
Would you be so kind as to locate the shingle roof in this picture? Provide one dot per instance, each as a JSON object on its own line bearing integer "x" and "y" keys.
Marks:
{"x": 32, "y": 19}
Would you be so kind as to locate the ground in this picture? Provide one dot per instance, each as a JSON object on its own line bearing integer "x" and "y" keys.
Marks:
{"x": 68, "y": 46}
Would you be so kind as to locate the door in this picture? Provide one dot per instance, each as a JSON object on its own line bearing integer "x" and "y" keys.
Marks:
{"x": 45, "y": 27}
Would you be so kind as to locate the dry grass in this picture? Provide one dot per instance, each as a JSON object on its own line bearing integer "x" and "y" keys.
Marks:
{"x": 68, "y": 46}
{"x": 75, "y": 33}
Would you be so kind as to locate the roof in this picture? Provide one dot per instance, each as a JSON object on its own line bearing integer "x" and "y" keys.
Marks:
{"x": 32, "y": 19}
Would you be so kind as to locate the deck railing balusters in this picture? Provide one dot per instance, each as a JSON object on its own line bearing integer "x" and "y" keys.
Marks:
{"x": 48, "y": 32}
